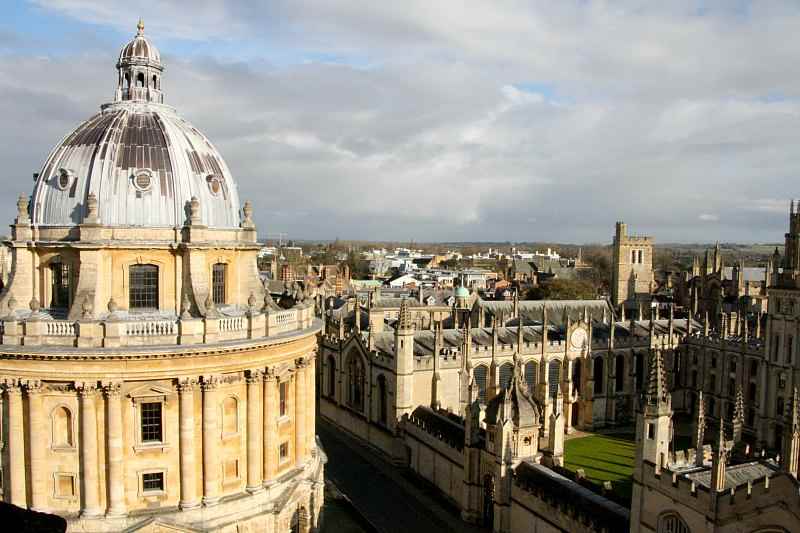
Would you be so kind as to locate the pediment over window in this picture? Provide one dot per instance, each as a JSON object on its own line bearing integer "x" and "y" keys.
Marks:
{"x": 146, "y": 392}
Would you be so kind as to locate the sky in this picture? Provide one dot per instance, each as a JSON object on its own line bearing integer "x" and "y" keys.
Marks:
{"x": 446, "y": 120}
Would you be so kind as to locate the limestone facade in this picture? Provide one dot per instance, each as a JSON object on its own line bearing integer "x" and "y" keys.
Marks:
{"x": 632, "y": 268}
{"x": 149, "y": 381}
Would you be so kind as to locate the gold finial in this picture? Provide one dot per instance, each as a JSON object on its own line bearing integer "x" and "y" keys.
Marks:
{"x": 140, "y": 26}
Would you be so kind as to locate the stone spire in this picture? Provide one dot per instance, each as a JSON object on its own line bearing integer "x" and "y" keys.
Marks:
{"x": 404, "y": 320}
{"x": 719, "y": 461}
{"x": 700, "y": 429}
{"x": 657, "y": 396}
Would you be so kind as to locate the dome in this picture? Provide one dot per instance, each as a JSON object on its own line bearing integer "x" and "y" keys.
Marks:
{"x": 140, "y": 49}
{"x": 142, "y": 161}
{"x": 462, "y": 292}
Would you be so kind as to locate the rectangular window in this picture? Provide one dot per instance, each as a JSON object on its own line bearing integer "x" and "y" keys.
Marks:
{"x": 777, "y": 346}
{"x": 284, "y": 451}
{"x": 143, "y": 287}
{"x": 153, "y": 482}
{"x": 151, "y": 422}
{"x": 633, "y": 256}
{"x": 65, "y": 486}
{"x": 218, "y": 282}
{"x": 789, "y": 348}
{"x": 282, "y": 392}
{"x": 61, "y": 289}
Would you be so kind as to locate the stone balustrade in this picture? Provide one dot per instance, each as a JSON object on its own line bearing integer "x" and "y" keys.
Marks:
{"x": 41, "y": 330}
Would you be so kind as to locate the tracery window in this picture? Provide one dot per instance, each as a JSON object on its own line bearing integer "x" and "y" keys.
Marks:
{"x": 554, "y": 378}
{"x": 506, "y": 371}
{"x": 355, "y": 382}
{"x": 531, "y": 375}
{"x": 672, "y": 523}
{"x": 218, "y": 275}
{"x": 382, "y": 399}
{"x": 599, "y": 378}
{"x": 143, "y": 287}
{"x": 479, "y": 374}
{"x": 619, "y": 373}
{"x": 331, "y": 376}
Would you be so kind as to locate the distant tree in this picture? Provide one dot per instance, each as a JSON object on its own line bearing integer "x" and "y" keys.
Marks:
{"x": 359, "y": 268}
{"x": 563, "y": 289}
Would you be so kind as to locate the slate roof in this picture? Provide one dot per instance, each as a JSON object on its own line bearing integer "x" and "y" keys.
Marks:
{"x": 736, "y": 475}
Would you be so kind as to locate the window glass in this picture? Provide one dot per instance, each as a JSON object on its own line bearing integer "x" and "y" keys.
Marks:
{"x": 153, "y": 481}
{"x": 60, "y": 273}
{"x": 143, "y": 287}
{"x": 218, "y": 283}
{"x": 151, "y": 422}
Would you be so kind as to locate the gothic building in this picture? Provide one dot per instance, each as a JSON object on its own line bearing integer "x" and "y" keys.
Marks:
{"x": 149, "y": 382}
{"x": 477, "y": 400}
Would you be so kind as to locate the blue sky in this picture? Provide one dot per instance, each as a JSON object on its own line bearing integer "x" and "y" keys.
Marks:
{"x": 453, "y": 120}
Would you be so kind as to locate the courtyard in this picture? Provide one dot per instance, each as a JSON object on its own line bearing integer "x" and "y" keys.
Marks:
{"x": 603, "y": 458}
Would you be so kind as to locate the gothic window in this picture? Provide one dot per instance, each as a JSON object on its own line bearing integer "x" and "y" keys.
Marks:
{"x": 751, "y": 392}
{"x": 62, "y": 428}
{"x": 712, "y": 407}
{"x": 506, "y": 371}
{"x": 531, "y": 373}
{"x": 672, "y": 523}
{"x": 732, "y": 367}
{"x": 230, "y": 416}
{"x": 331, "y": 376}
{"x": 753, "y": 369}
{"x": 355, "y": 381}
{"x": 143, "y": 287}
{"x": 731, "y": 387}
{"x": 789, "y": 348}
{"x": 694, "y": 378}
{"x": 283, "y": 393}
{"x": 619, "y": 373}
{"x": 779, "y": 406}
{"x": 382, "y": 399}
{"x": 639, "y": 367}
{"x": 480, "y": 380}
{"x": 60, "y": 274}
{"x": 712, "y": 383}
{"x": 598, "y": 375}
{"x": 218, "y": 275}
{"x": 781, "y": 381}
{"x": 554, "y": 378}
{"x": 151, "y": 421}
{"x": 776, "y": 345}
{"x": 713, "y": 361}
{"x": 577, "y": 374}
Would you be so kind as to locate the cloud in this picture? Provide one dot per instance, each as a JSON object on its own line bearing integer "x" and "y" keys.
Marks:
{"x": 498, "y": 121}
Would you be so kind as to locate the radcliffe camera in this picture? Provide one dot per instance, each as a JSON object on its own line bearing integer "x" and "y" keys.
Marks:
{"x": 457, "y": 267}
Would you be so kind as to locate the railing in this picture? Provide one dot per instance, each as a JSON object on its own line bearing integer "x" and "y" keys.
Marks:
{"x": 236, "y": 323}
{"x": 285, "y": 317}
{"x": 60, "y": 328}
{"x": 151, "y": 328}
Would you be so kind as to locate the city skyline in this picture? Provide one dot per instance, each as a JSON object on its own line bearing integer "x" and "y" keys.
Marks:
{"x": 494, "y": 123}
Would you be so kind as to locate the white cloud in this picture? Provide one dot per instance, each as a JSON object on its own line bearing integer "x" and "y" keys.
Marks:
{"x": 468, "y": 123}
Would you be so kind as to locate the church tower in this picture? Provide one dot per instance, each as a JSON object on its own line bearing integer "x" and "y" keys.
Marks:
{"x": 632, "y": 275}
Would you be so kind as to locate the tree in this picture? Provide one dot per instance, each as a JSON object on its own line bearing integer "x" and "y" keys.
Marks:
{"x": 563, "y": 289}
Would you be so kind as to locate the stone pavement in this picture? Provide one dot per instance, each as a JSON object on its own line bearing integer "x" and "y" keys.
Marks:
{"x": 390, "y": 501}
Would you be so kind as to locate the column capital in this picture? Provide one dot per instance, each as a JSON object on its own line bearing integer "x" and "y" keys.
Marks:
{"x": 254, "y": 375}
{"x": 210, "y": 382}
{"x": 86, "y": 388}
{"x": 12, "y": 385}
{"x": 186, "y": 384}
{"x": 112, "y": 389}
{"x": 301, "y": 362}
{"x": 270, "y": 375}
{"x": 33, "y": 386}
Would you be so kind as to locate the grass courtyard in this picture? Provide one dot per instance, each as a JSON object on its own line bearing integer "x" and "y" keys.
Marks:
{"x": 603, "y": 458}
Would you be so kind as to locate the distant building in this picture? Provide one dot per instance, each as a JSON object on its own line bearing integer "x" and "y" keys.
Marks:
{"x": 632, "y": 270}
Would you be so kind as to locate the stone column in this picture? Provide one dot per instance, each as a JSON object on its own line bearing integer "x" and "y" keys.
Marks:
{"x": 300, "y": 441}
{"x": 255, "y": 432}
{"x": 16, "y": 444}
{"x": 91, "y": 493}
{"x": 37, "y": 445}
{"x": 211, "y": 437}
{"x": 270, "y": 425}
{"x": 311, "y": 400}
{"x": 116, "y": 466}
{"x": 189, "y": 499}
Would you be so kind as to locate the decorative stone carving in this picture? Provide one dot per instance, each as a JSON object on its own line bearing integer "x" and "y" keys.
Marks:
{"x": 87, "y": 307}
{"x": 22, "y": 210}
{"x": 12, "y": 305}
{"x": 247, "y": 212}
{"x": 194, "y": 211}
{"x": 186, "y": 307}
{"x": 211, "y": 309}
{"x": 186, "y": 384}
{"x": 92, "y": 216}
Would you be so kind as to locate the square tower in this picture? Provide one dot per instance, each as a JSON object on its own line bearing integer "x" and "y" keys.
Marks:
{"x": 632, "y": 276}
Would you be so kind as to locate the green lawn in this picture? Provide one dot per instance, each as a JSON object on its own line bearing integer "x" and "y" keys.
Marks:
{"x": 603, "y": 458}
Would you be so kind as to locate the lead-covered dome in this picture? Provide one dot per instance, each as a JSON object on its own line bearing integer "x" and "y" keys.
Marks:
{"x": 142, "y": 160}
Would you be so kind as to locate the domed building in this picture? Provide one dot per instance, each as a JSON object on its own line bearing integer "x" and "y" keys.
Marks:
{"x": 149, "y": 381}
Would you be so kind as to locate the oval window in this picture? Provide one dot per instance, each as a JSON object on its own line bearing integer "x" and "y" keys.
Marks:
{"x": 64, "y": 178}
{"x": 143, "y": 180}
{"x": 214, "y": 184}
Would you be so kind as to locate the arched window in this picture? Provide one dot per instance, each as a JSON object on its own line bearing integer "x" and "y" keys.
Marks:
{"x": 619, "y": 373}
{"x": 230, "y": 415}
{"x": 506, "y": 371}
{"x": 751, "y": 392}
{"x": 779, "y": 406}
{"x": 60, "y": 274}
{"x": 480, "y": 379}
{"x": 126, "y": 82}
{"x": 577, "y": 374}
{"x": 554, "y": 378}
{"x": 599, "y": 378}
{"x": 672, "y": 523}
{"x": 218, "y": 275}
{"x": 140, "y": 79}
{"x": 331, "y": 376}
{"x": 355, "y": 382}
{"x": 143, "y": 287}
{"x": 155, "y": 82}
{"x": 62, "y": 428}
{"x": 639, "y": 367}
{"x": 382, "y": 399}
{"x": 531, "y": 375}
